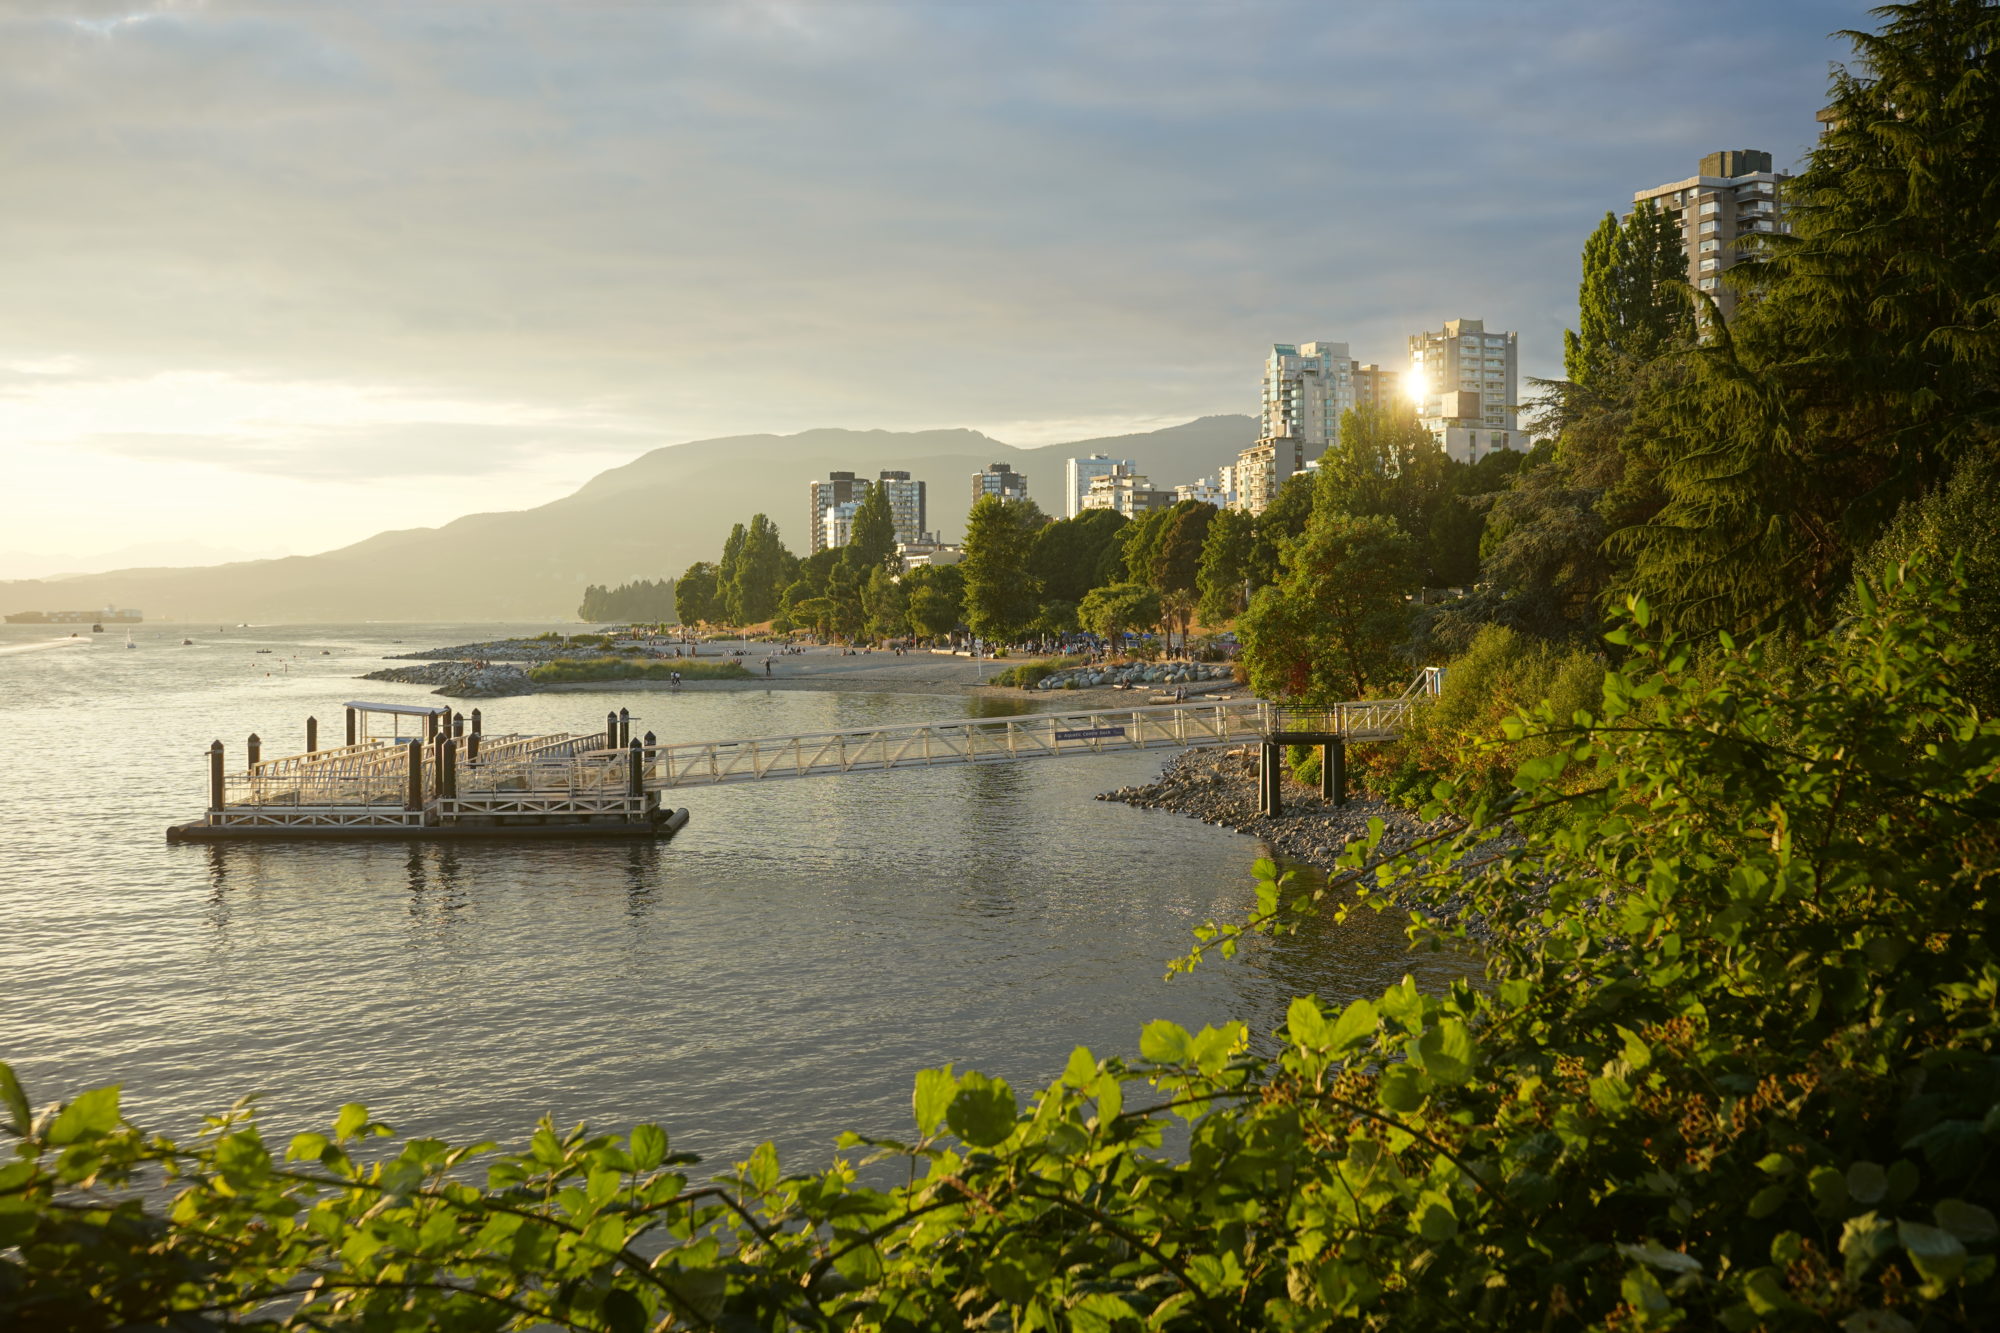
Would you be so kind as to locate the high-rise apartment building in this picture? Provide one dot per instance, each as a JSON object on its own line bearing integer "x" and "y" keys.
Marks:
{"x": 1001, "y": 480}
{"x": 1078, "y": 474}
{"x": 1306, "y": 388}
{"x": 1262, "y": 469}
{"x": 906, "y": 505}
{"x": 1127, "y": 492}
{"x": 1375, "y": 386}
{"x": 839, "y": 488}
{"x": 1464, "y": 358}
{"x": 1733, "y": 196}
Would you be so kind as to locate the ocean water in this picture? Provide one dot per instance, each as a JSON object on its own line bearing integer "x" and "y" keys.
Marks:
{"x": 780, "y": 970}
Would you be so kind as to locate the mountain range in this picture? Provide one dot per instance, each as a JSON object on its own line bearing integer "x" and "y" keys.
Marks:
{"x": 649, "y": 518}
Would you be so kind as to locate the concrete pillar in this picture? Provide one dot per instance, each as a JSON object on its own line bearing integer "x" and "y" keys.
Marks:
{"x": 312, "y": 735}
{"x": 1270, "y": 774}
{"x": 255, "y": 751}
{"x": 635, "y": 771}
{"x": 215, "y": 777}
{"x": 1333, "y": 772}
{"x": 413, "y": 799}
{"x": 353, "y": 727}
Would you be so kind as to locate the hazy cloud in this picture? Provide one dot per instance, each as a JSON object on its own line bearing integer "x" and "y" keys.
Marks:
{"x": 703, "y": 219}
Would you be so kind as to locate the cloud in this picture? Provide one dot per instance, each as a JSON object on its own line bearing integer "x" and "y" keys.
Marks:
{"x": 403, "y": 451}
{"x": 695, "y": 220}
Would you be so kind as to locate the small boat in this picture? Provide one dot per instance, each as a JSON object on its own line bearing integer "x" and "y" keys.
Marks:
{"x": 128, "y": 640}
{"x": 263, "y": 650}
{"x": 326, "y": 652}
{"x": 186, "y": 642}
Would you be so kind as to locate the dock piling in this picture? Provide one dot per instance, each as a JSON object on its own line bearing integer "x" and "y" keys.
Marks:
{"x": 414, "y": 798}
{"x": 635, "y": 776}
{"x": 447, "y": 775}
{"x": 256, "y": 750}
{"x": 624, "y": 727}
{"x": 475, "y": 721}
{"x": 312, "y": 735}
{"x": 610, "y": 731}
{"x": 215, "y": 778}
{"x": 351, "y": 727}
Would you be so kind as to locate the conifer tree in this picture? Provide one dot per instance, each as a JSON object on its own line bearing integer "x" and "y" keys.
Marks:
{"x": 728, "y": 606}
{"x": 873, "y": 534}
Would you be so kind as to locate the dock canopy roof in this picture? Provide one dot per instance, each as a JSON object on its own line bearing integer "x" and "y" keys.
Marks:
{"x": 406, "y": 710}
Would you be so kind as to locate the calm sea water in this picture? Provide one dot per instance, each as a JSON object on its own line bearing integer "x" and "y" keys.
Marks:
{"x": 780, "y": 970}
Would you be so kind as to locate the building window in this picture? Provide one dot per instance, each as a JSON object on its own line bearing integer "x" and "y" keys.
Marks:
{"x": 1708, "y": 265}
{"x": 1708, "y": 228}
{"x": 1708, "y": 284}
{"x": 1706, "y": 246}
{"x": 1709, "y": 207}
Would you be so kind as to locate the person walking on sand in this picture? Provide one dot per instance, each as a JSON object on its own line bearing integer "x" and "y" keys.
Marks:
{"x": 767, "y": 668}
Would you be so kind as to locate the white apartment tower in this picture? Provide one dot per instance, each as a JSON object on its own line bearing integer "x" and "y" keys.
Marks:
{"x": 1078, "y": 474}
{"x": 839, "y": 488}
{"x": 1306, "y": 388}
{"x": 1733, "y": 195}
{"x": 1464, "y": 359}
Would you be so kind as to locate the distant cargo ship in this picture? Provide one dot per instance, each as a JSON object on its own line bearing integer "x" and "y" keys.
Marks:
{"x": 110, "y": 615}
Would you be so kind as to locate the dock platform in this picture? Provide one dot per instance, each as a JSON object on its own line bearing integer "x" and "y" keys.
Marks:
{"x": 446, "y": 780}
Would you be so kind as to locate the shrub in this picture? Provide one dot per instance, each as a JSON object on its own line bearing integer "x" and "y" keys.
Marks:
{"x": 1027, "y": 675}
{"x": 573, "y": 671}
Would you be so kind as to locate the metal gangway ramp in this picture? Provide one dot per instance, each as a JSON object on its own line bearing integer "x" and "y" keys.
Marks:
{"x": 1011, "y": 739}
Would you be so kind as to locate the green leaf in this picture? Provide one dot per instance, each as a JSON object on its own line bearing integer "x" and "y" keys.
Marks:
{"x": 1765, "y": 1290}
{"x": 89, "y": 1115}
{"x": 1446, "y": 1052}
{"x": 1402, "y": 1088}
{"x": 1637, "y": 1053}
{"x": 1937, "y": 1253}
{"x": 1642, "y": 1291}
{"x": 1355, "y": 1025}
{"x": 1306, "y": 1025}
{"x": 624, "y": 1312}
{"x": 1864, "y": 1240}
{"x": 934, "y": 1091}
{"x": 1164, "y": 1043}
{"x": 982, "y": 1113}
{"x": 15, "y": 1101}
{"x": 1867, "y": 1182}
{"x": 760, "y": 1172}
{"x": 307, "y": 1147}
{"x": 1659, "y": 1256}
{"x": 1081, "y": 1071}
{"x": 350, "y": 1121}
{"x": 1828, "y": 1188}
{"x": 648, "y": 1146}
{"x": 1967, "y": 1221}
{"x": 1767, "y": 1200}
{"x": 1876, "y": 1321}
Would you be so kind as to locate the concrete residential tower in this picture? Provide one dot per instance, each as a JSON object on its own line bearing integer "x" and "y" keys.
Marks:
{"x": 1733, "y": 195}
{"x": 839, "y": 489}
{"x": 1466, "y": 383}
{"x": 1001, "y": 480}
{"x": 1078, "y": 474}
{"x": 1306, "y": 388}
{"x": 906, "y": 505}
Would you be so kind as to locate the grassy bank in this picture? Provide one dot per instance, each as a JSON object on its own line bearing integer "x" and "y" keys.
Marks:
{"x": 1027, "y": 675}
{"x": 580, "y": 670}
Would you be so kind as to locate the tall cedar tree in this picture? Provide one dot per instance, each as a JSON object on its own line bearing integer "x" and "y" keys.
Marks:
{"x": 1001, "y": 599}
{"x": 1177, "y": 563}
{"x": 640, "y": 600}
{"x": 729, "y": 610}
{"x": 872, "y": 537}
{"x": 763, "y": 568}
{"x": 1866, "y": 358}
{"x": 1627, "y": 307}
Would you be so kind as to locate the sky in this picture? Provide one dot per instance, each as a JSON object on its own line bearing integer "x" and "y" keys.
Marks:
{"x": 274, "y": 277}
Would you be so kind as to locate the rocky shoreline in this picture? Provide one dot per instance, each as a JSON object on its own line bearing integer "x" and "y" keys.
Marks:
{"x": 1136, "y": 673}
{"x": 1220, "y": 787}
{"x": 461, "y": 680}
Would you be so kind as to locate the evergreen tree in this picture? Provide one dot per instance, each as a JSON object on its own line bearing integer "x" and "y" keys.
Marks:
{"x": 1139, "y": 543}
{"x": 1865, "y": 358}
{"x": 936, "y": 597}
{"x": 728, "y": 598}
{"x": 1225, "y": 567}
{"x": 1001, "y": 599}
{"x": 1632, "y": 304}
{"x": 641, "y": 601}
{"x": 1177, "y": 562}
{"x": 762, "y": 568}
{"x": 873, "y": 533}
{"x": 885, "y": 604}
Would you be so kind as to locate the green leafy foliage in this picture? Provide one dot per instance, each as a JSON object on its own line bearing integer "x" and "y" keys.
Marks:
{"x": 642, "y": 601}
{"x": 1733, "y": 1065}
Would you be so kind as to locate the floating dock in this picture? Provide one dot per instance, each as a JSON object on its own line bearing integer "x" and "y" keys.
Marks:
{"x": 445, "y": 780}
